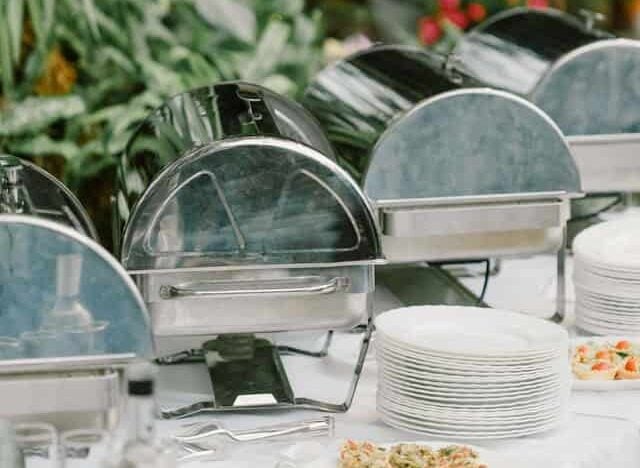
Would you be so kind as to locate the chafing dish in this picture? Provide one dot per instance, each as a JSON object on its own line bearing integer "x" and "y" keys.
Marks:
{"x": 27, "y": 189}
{"x": 70, "y": 320}
{"x": 237, "y": 223}
{"x": 454, "y": 170}
{"x": 582, "y": 77}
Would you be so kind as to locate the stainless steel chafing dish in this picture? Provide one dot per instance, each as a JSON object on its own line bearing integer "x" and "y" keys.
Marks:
{"x": 583, "y": 78}
{"x": 455, "y": 171}
{"x": 236, "y": 221}
{"x": 27, "y": 189}
{"x": 70, "y": 320}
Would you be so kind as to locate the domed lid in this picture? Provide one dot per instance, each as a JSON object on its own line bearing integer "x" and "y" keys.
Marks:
{"x": 64, "y": 296}
{"x": 470, "y": 142}
{"x": 593, "y": 89}
{"x": 250, "y": 201}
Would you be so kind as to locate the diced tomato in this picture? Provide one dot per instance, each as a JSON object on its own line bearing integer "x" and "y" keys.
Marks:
{"x": 582, "y": 349}
{"x": 603, "y": 355}
{"x": 623, "y": 344}
{"x": 601, "y": 366}
{"x": 631, "y": 365}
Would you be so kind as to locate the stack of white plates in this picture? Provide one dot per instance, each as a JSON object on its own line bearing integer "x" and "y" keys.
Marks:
{"x": 607, "y": 278}
{"x": 473, "y": 373}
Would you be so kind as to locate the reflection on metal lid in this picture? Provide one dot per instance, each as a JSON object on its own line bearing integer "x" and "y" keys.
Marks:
{"x": 582, "y": 77}
{"x": 409, "y": 125}
{"x": 250, "y": 201}
{"x": 62, "y": 295}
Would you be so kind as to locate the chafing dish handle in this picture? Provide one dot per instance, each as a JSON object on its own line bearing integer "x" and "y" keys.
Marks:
{"x": 321, "y": 287}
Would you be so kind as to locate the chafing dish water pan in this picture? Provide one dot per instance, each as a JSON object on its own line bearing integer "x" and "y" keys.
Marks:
{"x": 237, "y": 221}
{"x": 583, "y": 78}
{"x": 70, "y": 318}
{"x": 455, "y": 171}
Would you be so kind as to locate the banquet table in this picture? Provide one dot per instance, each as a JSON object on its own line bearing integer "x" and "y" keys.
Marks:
{"x": 603, "y": 429}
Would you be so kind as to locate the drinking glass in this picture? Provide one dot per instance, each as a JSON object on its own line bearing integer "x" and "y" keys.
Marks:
{"x": 38, "y": 443}
{"x": 83, "y": 447}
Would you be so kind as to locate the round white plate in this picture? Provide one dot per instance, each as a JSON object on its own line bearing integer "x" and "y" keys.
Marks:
{"x": 512, "y": 393}
{"x": 615, "y": 243}
{"x": 428, "y": 376}
{"x": 392, "y": 350}
{"x": 452, "y": 367}
{"x": 417, "y": 427}
{"x": 470, "y": 331}
{"x": 524, "y": 407}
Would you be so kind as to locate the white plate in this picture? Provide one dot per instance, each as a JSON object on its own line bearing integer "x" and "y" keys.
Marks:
{"x": 412, "y": 382}
{"x": 453, "y": 369}
{"x": 490, "y": 458}
{"x": 428, "y": 376}
{"x": 417, "y": 427}
{"x": 524, "y": 407}
{"x": 455, "y": 363}
{"x": 607, "y": 385}
{"x": 472, "y": 394}
{"x": 614, "y": 243}
{"x": 603, "y": 327}
{"x": 471, "y": 331}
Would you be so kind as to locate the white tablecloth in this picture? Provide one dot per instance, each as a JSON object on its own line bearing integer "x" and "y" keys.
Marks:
{"x": 603, "y": 430}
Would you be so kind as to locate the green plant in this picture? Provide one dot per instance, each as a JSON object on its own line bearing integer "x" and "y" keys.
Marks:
{"x": 76, "y": 76}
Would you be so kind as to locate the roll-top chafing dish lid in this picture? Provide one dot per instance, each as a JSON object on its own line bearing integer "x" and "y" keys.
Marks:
{"x": 583, "y": 78}
{"x": 27, "y": 189}
{"x": 408, "y": 125}
{"x": 65, "y": 303}
{"x": 235, "y": 175}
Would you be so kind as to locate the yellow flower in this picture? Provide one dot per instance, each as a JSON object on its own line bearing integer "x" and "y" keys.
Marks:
{"x": 59, "y": 75}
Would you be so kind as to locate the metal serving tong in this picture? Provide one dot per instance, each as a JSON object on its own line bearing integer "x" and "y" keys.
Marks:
{"x": 208, "y": 440}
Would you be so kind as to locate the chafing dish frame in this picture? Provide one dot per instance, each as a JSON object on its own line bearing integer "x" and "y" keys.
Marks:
{"x": 502, "y": 225}
{"x": 177, "y": 290}
{"x": 74, "y": 376}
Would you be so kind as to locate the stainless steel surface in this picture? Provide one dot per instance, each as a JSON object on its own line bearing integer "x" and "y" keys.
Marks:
{"x": 70, "y": 374}
{"x": 342, "y": 305}
{"x": 580, "y": 76}
{"x": 514, "y": 49}
{"x": 473, "y": 230}
{"x": 395, "y": 116}
{"x": 233, "y": 219}
{"x": 199, "y": 433}
{"x": 608, "y": 162}
{"x": 199, "y": 118}
{"x": 31, "y": 248}
{"x": 302, "y": 285}
{"x": 28, "y": 189}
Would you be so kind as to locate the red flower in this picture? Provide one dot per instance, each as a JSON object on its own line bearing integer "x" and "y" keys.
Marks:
{"x": 538, "y": 3}
{"x": 429, "y": 30}
{"x": 457, "y": 17}
{"x": 447, "y": 5}
{"x": 476, "y": 12}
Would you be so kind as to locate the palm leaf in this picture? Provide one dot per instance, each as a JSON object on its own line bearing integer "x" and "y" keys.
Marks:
{"x": 15, "y": 19}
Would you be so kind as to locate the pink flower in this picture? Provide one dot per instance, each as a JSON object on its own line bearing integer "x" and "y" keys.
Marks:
{"x": 429, "y": 30}
{"x": 476, "y": 12}
{"x": 538, "y": 3}
{"x": 457, "y": 17}
{"x": 447, "y": 5}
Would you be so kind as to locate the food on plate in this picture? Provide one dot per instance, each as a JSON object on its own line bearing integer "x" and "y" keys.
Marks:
{"x": 630, "y": 370}
{"x": 367, "y": 455}
{"x": 606, "y": 361}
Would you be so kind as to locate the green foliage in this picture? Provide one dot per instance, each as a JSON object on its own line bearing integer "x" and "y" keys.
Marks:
{"x": 123, "y": 57}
